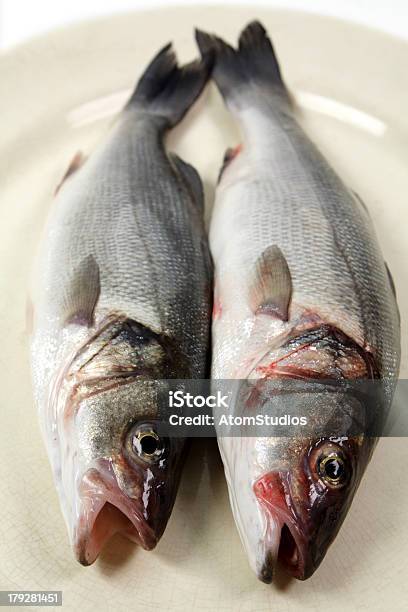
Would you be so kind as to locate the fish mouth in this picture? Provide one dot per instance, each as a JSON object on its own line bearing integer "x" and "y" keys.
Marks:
{"x": 105, "y": 511}
{"x": 285, "y": 541}
{"x": 288, "y": 550}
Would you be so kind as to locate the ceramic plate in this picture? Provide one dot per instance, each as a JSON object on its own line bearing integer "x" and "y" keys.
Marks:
{"x": 60, "y": 94}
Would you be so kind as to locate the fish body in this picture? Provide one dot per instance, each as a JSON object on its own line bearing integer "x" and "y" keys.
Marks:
{"x": 121, "y": 297}
{"x": 301, "y": 294}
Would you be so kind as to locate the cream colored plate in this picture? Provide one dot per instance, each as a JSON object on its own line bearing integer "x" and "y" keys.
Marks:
{"x": 58, "y": 96}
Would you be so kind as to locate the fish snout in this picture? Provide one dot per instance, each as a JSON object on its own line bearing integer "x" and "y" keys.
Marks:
{"x": 286, "y": 535}
{"x": 105, "y": 510}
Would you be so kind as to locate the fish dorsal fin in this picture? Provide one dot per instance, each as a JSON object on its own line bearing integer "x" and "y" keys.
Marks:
{"x": 271, "y": 290}
{"x": 390, "y": 279}
{"x": 393, "y": 289}
{"x": 82, "y": 294}
{"x": 230, "y": 154}
{"x": 360, "y": 201}
{"x": 191, "y": 177}
{"x": 76, "y": 162}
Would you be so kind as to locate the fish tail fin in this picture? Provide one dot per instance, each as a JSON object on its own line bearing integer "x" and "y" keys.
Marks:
{"x": 167, "y": 90}
{"x": 253, "y": 63}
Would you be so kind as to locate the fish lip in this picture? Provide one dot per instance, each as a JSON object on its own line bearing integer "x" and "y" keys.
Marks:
{"x": 273, "y": 548}
{"x": 267, "y": 571}
{"x": 100, "y": 492}
{"x": 284, "y": 535}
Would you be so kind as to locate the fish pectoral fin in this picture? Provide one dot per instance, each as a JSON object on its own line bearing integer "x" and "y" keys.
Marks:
{"x": 271, "y": 290}
{"x": 82, "y": 293}
{"x": 191, "y": 177}
{"x": 76, "y": 162}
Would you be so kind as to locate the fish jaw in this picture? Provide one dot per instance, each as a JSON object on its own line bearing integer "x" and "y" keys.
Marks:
{"x": 105, "y": 510}
{"x": 286, "y": 540}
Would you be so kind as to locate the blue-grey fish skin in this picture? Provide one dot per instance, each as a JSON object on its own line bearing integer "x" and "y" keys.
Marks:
{"x": 301, "y": 293}
{"x": 121, "y": 300}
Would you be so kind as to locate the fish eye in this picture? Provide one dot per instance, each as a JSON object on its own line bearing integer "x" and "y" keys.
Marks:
{"x": 332, "y": 469}
{"x": 149, "y": 443}
{"x": 146, "y": 443}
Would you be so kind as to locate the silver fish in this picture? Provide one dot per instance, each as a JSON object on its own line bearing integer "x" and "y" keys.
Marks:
{"x": 121, "y": 302}
{"x": 302, "y": 294}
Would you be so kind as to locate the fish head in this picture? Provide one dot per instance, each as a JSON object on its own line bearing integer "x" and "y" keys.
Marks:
{"x": 128, "y": 472}
{"x": 120, "y": 474}
{"x": 290, "y": 493}
{"x": 304, "y": 503}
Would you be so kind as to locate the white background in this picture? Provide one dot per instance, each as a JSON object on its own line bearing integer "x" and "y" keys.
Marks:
{"x": 22, "y": 19}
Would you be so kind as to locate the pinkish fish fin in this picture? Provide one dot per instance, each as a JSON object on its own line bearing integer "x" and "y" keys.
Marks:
{"x": 76, "y": 162}
{"x": 271, "y": 291}
{"x": 230, "y": 154}
{"x": 82, "y": 294}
